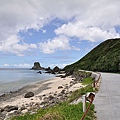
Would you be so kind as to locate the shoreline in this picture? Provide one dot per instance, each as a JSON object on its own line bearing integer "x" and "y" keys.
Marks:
{"x": 12, "y": 80}
{"x": 21, "y": 91}
{"x": 43, "y": 88}
{"x": 41, "y": 95}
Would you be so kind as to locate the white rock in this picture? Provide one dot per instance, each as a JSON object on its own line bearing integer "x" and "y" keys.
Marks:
{"x": 24, "y": 111}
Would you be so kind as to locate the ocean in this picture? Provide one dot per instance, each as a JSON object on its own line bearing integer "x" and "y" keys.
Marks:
{"x": 12, "y": 79}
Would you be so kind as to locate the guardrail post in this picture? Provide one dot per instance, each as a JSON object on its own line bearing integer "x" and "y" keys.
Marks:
{"x": 84, "y": 103}
{"x": 94, "y": 85}
{"x": 90, "y": 98}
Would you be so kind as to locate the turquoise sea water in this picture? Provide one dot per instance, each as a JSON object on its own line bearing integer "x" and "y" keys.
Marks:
{"x": 13, "y": 78}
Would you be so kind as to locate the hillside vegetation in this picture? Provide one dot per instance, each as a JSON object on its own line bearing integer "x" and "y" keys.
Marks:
{"x": 105, "y": 58}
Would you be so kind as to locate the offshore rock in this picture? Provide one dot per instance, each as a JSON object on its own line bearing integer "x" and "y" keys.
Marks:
{"x": 56, "y": 69}
{"x": 39, "y": 72}
{"x": 36, "y": 66}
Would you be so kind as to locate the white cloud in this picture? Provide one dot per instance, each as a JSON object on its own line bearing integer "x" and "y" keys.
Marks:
{"x": 75, "y": 48}
{"x": 12, "y": 45}
{"x": 86, "y": 32}
{"x": 44, "y": 31}
{"x": 95, "y": 22}
{"x": 6, "y": 65}
{"x": 21, "y": 65}
{"x": 24, "y": 65}
{"x": 59, "y": 65}
{"x": 16, "y": 16}
{"x": 88, "y": 20}
{"x": 57, "y": 43}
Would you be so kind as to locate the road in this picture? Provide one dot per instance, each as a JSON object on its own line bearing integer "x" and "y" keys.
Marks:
{"x": 107, "y": 100}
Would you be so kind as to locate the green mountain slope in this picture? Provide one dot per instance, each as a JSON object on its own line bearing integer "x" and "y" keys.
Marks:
{"x": 105, "y": 57}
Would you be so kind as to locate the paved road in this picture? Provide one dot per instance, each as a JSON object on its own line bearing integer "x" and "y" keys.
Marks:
{"x": 107, "y": 100}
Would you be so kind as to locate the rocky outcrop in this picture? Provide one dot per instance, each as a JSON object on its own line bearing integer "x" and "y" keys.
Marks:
{"x": 52, "y": 71}
{"x": 49, "y": 70}
{"x": 36, "y": 66}
{"x": 67, "y": 73}
{"x": 56, "y": 69}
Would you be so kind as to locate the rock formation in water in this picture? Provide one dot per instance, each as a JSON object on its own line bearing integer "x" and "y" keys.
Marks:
{"x": 36, "y": 66}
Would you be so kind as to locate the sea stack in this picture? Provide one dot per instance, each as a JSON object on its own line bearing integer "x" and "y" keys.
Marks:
{"x": 36, "y": 66}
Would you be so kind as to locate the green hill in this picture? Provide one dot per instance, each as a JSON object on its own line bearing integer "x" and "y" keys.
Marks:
{"x": 105, "y": 58}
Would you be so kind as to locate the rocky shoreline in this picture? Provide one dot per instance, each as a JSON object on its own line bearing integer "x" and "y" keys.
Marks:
{"x": 10, "y": 110}
{"x": 40, "y": 95}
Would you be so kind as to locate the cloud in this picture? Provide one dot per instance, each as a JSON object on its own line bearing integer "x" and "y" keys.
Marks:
{"x": 86, "y": 32}
{"x": 12, "y": 45}
{"x": 44, "y": 31}
{"x": 75, "y": 48}
{"x": 18, "y": 16}
{"x": 24, "y": 65}
{"x": 6, "y": 65}
{"x": 96, "y": 22}
{"x": 59, "y": 65}
{"x": 57, "y": 43}
{"x": 87, "y": 20}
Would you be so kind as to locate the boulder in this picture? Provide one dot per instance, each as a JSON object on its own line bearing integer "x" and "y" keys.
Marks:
{"x": 59, "y": 87}
{"x": 10, "y": 108}
{"x": 51, "y": 97}
{"x": 29, "y": 94}
{"x": 68, "y": 73}
{"x": 63, "y": 76}
{"x": 63, "y": 91}
{"x": 2, "y": 95}
{"x": 24, "y": 111}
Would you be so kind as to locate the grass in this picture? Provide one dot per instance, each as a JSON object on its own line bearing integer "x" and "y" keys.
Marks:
{"x": 87, "y": 81}
{"x": 63, "y": 111}
{"x": 78, "y": 93}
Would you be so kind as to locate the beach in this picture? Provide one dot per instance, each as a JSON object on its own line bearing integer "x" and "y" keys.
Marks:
{"x": 46, "y": 92}
{"x": 39, "y": 89}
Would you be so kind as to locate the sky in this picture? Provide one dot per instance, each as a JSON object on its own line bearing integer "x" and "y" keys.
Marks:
{"x": 54, "y": 32}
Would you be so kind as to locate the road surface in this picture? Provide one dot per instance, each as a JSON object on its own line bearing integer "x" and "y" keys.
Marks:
{"x": 107, "y": 100}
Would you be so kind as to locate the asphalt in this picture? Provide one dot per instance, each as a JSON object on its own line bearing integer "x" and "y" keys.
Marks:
{"x": 107, "y": 100}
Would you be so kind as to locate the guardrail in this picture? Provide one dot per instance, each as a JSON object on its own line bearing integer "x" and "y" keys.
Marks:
{"x": 98, "y": 81}
{"x": 91, "y": 96}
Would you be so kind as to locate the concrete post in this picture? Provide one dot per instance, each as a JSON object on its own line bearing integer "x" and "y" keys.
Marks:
{"x": 84, "y": 103}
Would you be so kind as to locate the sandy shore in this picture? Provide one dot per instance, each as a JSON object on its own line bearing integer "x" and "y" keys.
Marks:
{"x": 45, "y": 88}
